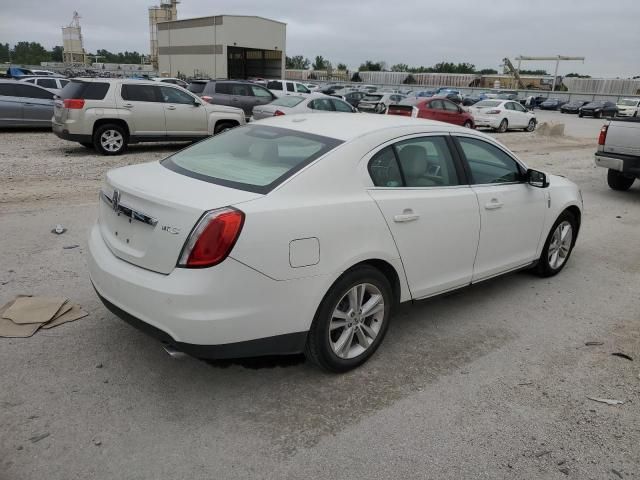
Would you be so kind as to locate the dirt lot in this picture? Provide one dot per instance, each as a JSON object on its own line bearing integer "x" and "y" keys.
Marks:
{"x": 490, "y": 382}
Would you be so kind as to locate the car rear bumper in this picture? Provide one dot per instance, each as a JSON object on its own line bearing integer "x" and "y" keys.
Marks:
{"x": 622, "y": 163}
{"x": 63, "y": 133}
{"x": 225, "y": 311}
{"x": 492, "y": 122}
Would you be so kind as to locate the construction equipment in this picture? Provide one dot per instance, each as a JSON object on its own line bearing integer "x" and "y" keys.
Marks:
{"x": 508, "y": 66}
{"x": 556, "y": 58}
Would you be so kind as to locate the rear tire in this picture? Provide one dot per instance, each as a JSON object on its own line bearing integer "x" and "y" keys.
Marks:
{"x": 619, "y": 181}
{"x": 598, "y": 115}
{"x": 223, "y": 127}
{"x": 110, "y": 139}
{"x": 341, "y": 325}
{"x": 503, "y": 127}
{"x": 559, "y": 245}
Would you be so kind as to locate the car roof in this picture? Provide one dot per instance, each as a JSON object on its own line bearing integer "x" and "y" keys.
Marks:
{"x": 346, "y": 127}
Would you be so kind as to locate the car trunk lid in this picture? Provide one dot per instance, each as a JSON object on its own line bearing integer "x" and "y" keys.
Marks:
{"x": 147, "y": 212}
{"x": 404, "y": 110}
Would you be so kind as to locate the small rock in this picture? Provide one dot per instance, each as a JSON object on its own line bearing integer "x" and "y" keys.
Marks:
{"x": 106, "y": 381}
{"x": 19, "y": 447}
{"x": 37, "y": 438}
{"x": 97, "y": 442}
{"x": 618, "y": 216}
{"x": 564, "y": 470}
{"x": 69, "y": 247}
{"x": 99, "y": 365}
{"x": 561, "y": 462}
{"x": 58, "y": 229}
{"x": 617, "y": 473}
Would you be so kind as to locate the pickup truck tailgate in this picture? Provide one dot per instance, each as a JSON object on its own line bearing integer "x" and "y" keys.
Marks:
{"x": 623, "y": 138}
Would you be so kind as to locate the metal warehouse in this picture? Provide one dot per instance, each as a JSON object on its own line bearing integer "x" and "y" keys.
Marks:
{"x": 223, "y": 46}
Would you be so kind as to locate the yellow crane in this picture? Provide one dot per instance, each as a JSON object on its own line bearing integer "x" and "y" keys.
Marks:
{"x": 556, "y": 58}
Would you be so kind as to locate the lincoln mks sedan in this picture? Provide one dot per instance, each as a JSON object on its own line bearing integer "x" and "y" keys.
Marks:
{"x": 302, "y": 233}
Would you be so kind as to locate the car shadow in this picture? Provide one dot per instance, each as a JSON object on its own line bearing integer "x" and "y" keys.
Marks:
{"x": 258, "y": 363}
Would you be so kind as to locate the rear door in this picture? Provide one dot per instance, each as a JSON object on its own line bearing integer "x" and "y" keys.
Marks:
{"x": 184, "y": 115}
{"x": 512, "y": 212}
{"x": 143, "y": 108}
{"x": 435, "y": 110}
{"x": 432, "y": 213}
{"x": 260, "y": 96}
{"x": 10, "y": 105}
{"x": 321, "y": 105}
{"x": 37, "y": 104}
{"x": 451, "y": 113}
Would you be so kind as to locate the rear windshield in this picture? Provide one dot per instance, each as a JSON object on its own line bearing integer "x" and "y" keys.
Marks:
{"x": 255, "y": 158}
{"x": 487, "y": 103}
{"x": 372, "y": 98}
{"x": 288, "y": 101}
{"x": 85, "y": 90}
{"x": 197, "y": 87}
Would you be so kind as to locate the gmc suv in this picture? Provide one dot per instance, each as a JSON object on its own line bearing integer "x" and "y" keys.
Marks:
{"x": 109, "y": 114}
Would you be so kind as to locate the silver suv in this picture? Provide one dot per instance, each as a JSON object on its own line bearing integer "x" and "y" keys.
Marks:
{"x": 109, "y": 114}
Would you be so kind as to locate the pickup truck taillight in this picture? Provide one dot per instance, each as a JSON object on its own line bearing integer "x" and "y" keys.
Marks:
{"x": 212, "y": 239}
{"x": 73, "y": 103}
{"x": 207, "y": 98}
{"x": 603, "y": 134}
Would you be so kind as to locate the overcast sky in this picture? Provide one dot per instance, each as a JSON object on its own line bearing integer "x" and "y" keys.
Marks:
{"x": 418, "y": 32}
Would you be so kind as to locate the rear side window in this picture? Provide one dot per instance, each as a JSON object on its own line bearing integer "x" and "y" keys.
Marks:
{"x": 64, "y": 83}
{"x": 290, "y": 87}
{"x": 240, "y": 89}
{"x": 196, "y": 87}
{"x": 274, "y": 85}
{"x": 47, "y": 83}
{"x": 255, "y": 158}
{"x": 173, "y": 95}
{"x": 33, "y": 92}
{"x": 85, "y": 90}
{"x": 260, "y": 92}
{"x": 341, "y": 106}
{"x": 321, "y": 104}
{"x": 140, "y": 93}
{"x": 7, "y": 90}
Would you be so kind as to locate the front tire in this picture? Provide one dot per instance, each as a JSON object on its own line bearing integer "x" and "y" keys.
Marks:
{"x": 503, "y": 127}
{"x": 619, "y": 181}
{"x": 351, "y": 321}
{"x": 531, "y": 126}
{"x": 558, "y": 246}
{"x": 223, "y": 127}
{"x": 110, "y": 139}
{"x": 468, "y": 124}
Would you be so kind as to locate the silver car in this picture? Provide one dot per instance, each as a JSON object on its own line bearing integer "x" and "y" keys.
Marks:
{"x": 292, "y": 104}
{"x": 24, "y": 105}
{"x": 53, "y": 84}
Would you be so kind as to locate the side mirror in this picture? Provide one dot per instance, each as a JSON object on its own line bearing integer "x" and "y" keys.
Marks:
{"x": 537, "y": 179}
{"x": 196, "y": 103}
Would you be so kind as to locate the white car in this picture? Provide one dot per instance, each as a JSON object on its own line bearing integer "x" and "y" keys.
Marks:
{"x": 503, "y": 115}
{"x": 53, "y": 84}
{"x": 295, "y": 104}
{"x": 312, "y": 86}
{"x": 303, "y": 232}
{"x": 628, "y": 107}
{"x": 287, "y": 87}
{"x": 378, "y": 102}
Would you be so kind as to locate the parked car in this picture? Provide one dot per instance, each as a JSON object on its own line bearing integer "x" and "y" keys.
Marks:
{"x": 302, "y": 233}
{"x": 354, "y": 97}
{"x": 110, "y": 114}
{"x": 423, "y": 93}
{"x": 237, "y": 93}
{"x": 619, "y": 152}
{"x": 293, "y": 104}
{"x": 369, "y": 88}
{"x": 174, "y": 81}
{"x": 45, "y": 73}
{"x": 598, "y": 109}
{"x": 313, "y": 87}
{"x": 197, "y": 86}
{"x": 330, "y": 89}
{"x": 455, "y": 97}
{"x": 24, "y": 105}
{"x": 552, "y": 104}
{"x": 533, "y": 101}
{"x": 435, "y": 108}
{"x": 378, "y": 102}
{"x": 503, "y": 115}
{"x": 628, "y": 107}
{"x": 287, "y": 87}
{"x": 573, "y": 106}
{"x": 469, "y": 100}
{"x": 53, "y": 84}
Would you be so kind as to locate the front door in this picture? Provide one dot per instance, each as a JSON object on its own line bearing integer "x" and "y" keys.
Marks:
{"x": 512, "y": 211}
{"x": 433, "y": 216}
{"x": 142, "y": 107}
{"x": 184, "y": 115}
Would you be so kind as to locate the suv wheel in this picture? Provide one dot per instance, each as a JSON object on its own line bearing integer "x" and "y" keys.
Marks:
{"x": 110, "y": 139}
{"x": 223, "y": 127}
{"x": 618, "y": 180}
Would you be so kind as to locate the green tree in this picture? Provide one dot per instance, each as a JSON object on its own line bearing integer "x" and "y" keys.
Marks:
{"x": 297, "y": 62}
{"x": 400, "y": 67}
{"x": 342, "y": 66}
{"x": 488, "y": 71}
{"x": 5, "y": 53}
{"x": 577, "y": 75}
{"x": 533, "y": 72}
{"x": 56, "y": 53}
{"x": 371, "y": 66}
{"x": 409, "y": 80}
{"x": 29, "y": 53}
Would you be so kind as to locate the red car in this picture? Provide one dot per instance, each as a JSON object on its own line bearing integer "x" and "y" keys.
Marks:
{"x": 434, "y": 108}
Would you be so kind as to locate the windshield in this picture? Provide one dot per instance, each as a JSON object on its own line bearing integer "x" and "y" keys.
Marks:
{"x": 488, "y": 103}
{"x": 287, "y": 101}
{"x": 627, "y": 102}
{"x": 253, "y": 158}
{"x": 372, "y": 98}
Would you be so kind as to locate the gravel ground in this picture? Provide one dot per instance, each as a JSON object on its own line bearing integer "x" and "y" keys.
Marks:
{"x": 490, "y": 382}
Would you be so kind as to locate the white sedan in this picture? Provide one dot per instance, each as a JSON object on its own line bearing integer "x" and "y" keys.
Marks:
{"x": 292, "y": 104}
{"x": 503, "y": 115}
{"x": 303, "y": 232}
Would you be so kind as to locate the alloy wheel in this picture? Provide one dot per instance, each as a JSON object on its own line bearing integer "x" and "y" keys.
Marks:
{"x": 356, "y": 320}
{"x": 111, "y": 140}
{"x": 560, "y": 245}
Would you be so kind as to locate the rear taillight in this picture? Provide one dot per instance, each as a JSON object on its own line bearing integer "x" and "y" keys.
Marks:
{"x": 207, "y": 98}
{"x": 73, "y": 103}
{"x": 277, "y": 113}
{"x": 212, "y": 239}
{"x": 603, "y": 134}
{"x": 492, "y": 112}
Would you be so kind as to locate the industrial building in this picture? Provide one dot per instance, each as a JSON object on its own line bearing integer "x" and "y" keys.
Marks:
{"x": 72, "y": 45}
{"x": 223, "y": 46}
{"x": 165, "y": 12}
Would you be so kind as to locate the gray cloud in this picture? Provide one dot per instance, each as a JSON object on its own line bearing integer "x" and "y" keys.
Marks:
{"x": 417, "y": 32}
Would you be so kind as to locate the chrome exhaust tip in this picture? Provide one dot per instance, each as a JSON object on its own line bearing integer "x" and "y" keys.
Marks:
{"x": 173, "y": 352}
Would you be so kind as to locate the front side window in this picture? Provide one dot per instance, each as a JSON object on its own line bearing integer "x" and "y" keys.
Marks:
{"x": 341, "y": 106}
{"x": 239, "y": 89}
{"x": 519, "y": 107}
{"x": 33, "y": 92}
{"x": 436, "y": 105}
{"x": 509, "y": 106}
{"x": 173, "y": 95}
{"x": 254, "y": 158}
{"x": 140, "y": 93}
{"x": 450, "y": 106}
{"x": 488, "y": 163}
{"x": 7, "y": 90}
{"x": 260, "y": 92}
{"x": 301, "y": 88}
{"x": 419, "y": 162}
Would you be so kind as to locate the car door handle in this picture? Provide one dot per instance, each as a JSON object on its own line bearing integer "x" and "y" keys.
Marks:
{"x": 171, "y": 107}
{"x": 406, "y": 216}
{"x": 494, "y": 204}
{"x": 128, "y": 105}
